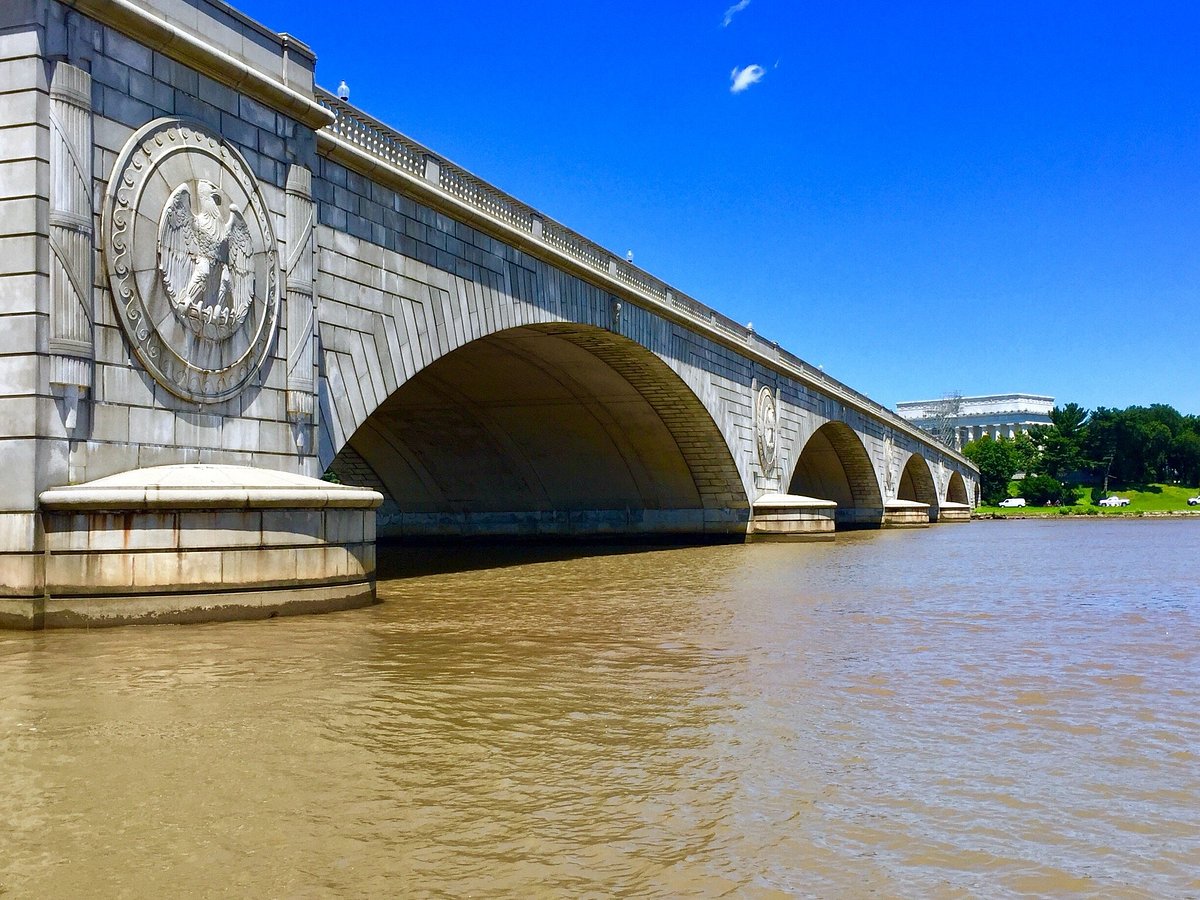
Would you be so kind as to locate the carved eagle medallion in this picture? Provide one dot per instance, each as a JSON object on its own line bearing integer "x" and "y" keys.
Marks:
{"x": 205, "y": 255}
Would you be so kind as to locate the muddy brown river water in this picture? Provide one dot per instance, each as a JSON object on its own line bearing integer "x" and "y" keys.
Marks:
{"x": 999, "y": 709}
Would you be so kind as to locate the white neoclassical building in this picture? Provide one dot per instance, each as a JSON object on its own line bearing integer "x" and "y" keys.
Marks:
{"x": 958, "y": 420}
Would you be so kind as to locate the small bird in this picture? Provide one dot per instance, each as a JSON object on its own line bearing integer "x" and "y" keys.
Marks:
{"x": 204, "y": 255}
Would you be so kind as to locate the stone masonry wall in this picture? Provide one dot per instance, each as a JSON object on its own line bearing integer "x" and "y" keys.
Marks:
{"x": 404, "y": 285}
{"x": 401, "y": 284}
{"x": 122, "y": 418}
{"x": 137, "y": 422}
{"x": 24, "y": 282}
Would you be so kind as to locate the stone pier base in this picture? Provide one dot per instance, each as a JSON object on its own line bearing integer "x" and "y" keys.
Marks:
{"x": 954, "y": 512}
{"x": 789, "y": 517}
{"x": 905, "y": 514}
{"x": 193, "y": 543}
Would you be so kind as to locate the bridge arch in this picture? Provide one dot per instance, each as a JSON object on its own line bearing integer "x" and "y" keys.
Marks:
{"x": 834, "y": 465}
{"x": 916, "y": 482}
{"x": 956, "y": 489}
{"x": 916, "y": 485}
{"x": 549, "y": 428}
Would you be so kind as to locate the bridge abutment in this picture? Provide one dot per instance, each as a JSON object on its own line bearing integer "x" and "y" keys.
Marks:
{"x": 200, "y": 543}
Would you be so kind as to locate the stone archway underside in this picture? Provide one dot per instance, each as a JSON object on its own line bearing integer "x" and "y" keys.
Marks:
{"x": 916, "y": 482}
{"x": 916, "y": 486}
{"x": 834, "y": 466}
{"x": 557, "y": 429}
{"x": 956, "y": 491}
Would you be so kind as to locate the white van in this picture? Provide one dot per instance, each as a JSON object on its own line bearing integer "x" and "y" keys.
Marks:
{"x": 1011, "y": 502}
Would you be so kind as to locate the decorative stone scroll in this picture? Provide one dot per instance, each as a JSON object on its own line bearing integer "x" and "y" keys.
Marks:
{"x": 192, "y": 260}
{"x": 765, "y": 428}
{"x": 71, "y": 228}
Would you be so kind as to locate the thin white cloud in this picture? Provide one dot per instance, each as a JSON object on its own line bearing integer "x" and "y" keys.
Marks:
{"x": 733, "y": 11}
{"x": 742, "y": 78}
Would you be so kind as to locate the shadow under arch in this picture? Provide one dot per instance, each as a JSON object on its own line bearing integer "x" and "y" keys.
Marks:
{"x": 834, "y": 465}
{"x": 916, "y": 482}
{"x": 956, "y": 489}
{"x": 553, "y": 429}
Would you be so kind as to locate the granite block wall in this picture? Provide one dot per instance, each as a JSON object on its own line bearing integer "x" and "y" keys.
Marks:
{"x": 113, "y": 416}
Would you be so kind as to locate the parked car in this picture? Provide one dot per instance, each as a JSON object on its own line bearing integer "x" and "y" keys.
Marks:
{"x": 1194, "y": 501}
{"x": 1114, "y": 501}
{"x": 1010, "y": 502}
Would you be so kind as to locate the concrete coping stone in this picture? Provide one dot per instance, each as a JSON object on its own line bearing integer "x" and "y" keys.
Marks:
{"x": 207, "y": 486}
{"x": 905, "y": 504}
{"x": 791, "y": 501}
{"x": 131, "y": 19}
{"x": 950, "y": 504}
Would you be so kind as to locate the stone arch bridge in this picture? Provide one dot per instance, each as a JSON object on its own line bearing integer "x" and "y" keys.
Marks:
{"x": 218, "y": 282}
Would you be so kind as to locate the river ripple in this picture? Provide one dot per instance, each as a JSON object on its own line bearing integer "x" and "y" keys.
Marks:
{"x": 1000, "y": 709}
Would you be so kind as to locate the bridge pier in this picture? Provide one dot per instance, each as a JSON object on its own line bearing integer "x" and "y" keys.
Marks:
{"x": 905, "y": 514}
{"x": 949, "y": 511}
{"x": 788, "y": 517}
{"x": 194, "y": 543}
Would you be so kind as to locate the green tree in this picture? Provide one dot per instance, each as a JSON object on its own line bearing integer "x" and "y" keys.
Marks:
{"x": 1061, "y": 455}
{"x": 1140, "y": 444}
{"x": 1026, "y": 453}
{"x": 1100, "y": 442}
{"x": 997, "y": 464}
{"x": 1069, "y": 419}
{"x": 1042, "y": 490}
{"x": 1167, "y": 415}
{"x": 1157, "y": 442}
{"x": 1061, "y": 443}
{"x": 1185, "y": 458}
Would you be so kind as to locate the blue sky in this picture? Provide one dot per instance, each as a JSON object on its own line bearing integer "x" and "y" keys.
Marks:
{"x": 922, "y": 198}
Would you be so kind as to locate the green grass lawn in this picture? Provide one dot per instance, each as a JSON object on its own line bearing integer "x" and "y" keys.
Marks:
{"x": 1153, "y": 498}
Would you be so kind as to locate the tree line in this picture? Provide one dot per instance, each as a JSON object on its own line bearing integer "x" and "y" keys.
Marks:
{"x": 1135, "y": 446}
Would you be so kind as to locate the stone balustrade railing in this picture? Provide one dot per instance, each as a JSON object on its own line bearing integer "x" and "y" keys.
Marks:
{"x": 387, "y": 145}
{"x": 484, "y": 197}
{"x": 372, "y": 136}
{"x": 566, "y": 241}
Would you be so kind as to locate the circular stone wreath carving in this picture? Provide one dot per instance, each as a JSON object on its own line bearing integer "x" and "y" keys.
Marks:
{"x": 765, "y": 420}
{"x": 192, "y": 260}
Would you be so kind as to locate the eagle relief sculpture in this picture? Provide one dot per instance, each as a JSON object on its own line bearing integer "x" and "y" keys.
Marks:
{"x": 205, "y": 255}
{"x": 193, "y": 265}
